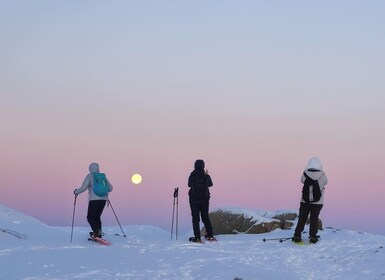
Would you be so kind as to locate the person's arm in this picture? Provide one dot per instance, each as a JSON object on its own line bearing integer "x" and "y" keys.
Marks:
{"x": 209, "y": 181}
{"x": 303, "y": 178}
{"x": 189, "y": 183}
{"x": 85, "y": 185}
{"x": 325, "y": 179}
{"x": 109, "y": 185}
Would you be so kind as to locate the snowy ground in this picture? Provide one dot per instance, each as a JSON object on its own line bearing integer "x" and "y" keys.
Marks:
{"x": 148, "y": 253}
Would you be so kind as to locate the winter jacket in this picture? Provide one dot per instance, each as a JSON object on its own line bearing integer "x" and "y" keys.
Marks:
{"x": 88, "y": 184}
{"x": 199, "y": 171}
{"x": 314, "y": 170}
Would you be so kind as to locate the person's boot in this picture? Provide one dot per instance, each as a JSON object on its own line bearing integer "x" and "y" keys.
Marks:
{"x": 195, "y": 239}
{"x": 314, "y": 239}
{"x": 296, "y": 238}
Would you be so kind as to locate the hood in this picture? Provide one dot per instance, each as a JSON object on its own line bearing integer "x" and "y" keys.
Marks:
{"x": 199, "y": 164}
{"x": 94, "y": 167}
{"x": 314, "y": 163}
{"x": 314, "y": 174}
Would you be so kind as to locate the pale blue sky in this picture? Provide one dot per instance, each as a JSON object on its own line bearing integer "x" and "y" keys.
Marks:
{"x": 251, "y": 86}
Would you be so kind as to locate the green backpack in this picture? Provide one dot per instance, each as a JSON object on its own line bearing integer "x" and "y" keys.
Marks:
{"x": 100, "y": 184}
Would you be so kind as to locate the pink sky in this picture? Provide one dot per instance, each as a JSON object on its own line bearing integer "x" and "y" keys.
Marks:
{"x": 149, "y": 89}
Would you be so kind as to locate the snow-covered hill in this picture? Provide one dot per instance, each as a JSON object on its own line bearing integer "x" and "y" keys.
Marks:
{"x": 148, "y": 253}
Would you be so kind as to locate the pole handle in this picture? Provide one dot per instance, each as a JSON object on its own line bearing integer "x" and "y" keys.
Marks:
{"x": 176, "y": 191}
{"x": 175, "y": 195}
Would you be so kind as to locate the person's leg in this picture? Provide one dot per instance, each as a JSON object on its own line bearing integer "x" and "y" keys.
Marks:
{"x": 206, "y": 219}
{"x": 304, "y": 210}
{"x": 91, "y": 215}
{"x": 315, "y": 210}
{"x": 195, "y": 209}
{"x": 100, "y": 207}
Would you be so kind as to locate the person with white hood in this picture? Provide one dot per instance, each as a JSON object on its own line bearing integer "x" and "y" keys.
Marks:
{"x": 97, "y": 201}
{"x": 313, "y": 172}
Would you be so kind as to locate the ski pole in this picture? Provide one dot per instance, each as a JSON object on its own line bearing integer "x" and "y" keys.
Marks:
{"x": 281, "y": 239}
{"x": 176, "y": 228}
{"x": 175, "y": 195}
{"x": 172, "y": 220}
{"x": 109, "y": 203}
{"x": 73, "y": 217}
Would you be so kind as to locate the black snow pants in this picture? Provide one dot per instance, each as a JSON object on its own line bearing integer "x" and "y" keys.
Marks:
{"x": 304, "y": 210}
{"x": 95, "y": 210}
{"x": 200, "y": 209}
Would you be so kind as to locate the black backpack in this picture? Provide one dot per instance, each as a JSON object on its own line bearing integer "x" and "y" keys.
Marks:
{"x": 200, "y": 187}
{"x": 311, "y": 191}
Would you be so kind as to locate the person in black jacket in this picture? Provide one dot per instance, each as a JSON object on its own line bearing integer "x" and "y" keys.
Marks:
{"x": 199, "y": 195}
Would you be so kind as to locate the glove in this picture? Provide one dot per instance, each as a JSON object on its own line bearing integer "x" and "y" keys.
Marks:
{"x": 75, "y": 191}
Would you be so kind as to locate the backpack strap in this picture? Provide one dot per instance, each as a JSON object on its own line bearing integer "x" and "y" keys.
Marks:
{"x": 308, "y": 177}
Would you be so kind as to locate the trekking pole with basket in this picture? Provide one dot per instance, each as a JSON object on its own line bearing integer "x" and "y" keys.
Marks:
{"x": 109, "y": 204}
{"x": 175, "y": 195}
{"x": 73, "y": 217}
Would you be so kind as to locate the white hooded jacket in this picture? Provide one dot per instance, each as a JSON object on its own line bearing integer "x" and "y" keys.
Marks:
{"x": 88, "y": 184}
{"x": 314, "y": 170}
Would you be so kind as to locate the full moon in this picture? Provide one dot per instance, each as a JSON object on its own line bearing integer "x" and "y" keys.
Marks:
{"x": 136, "y": 179}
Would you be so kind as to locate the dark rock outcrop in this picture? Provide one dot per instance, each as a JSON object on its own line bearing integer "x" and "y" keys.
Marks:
{"x": 228, "y": 221}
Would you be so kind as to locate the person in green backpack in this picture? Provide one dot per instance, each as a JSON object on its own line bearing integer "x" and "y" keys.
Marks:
{"x": 98, "y": 188}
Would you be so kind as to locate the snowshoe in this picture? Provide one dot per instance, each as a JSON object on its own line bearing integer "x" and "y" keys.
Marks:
{"x": 297, "y": 239}
{"x": 98, "y": 238}
{"x": 210, "y": 238}
{"x": 314, "y": 239}
{"x": 196, "y": 240}
{"x": 94, "y": 234}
